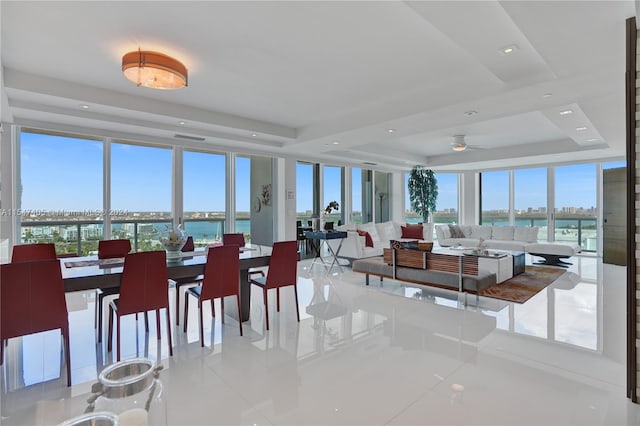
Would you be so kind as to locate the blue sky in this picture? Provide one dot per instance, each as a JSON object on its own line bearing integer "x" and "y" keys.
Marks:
{"x": 141, "y": 180}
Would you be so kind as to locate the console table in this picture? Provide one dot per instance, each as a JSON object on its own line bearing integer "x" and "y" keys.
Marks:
{"x": 323, "y": 237}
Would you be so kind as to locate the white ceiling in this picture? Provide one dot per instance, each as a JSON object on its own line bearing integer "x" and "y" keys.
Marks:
{"x": 303, "y": 75}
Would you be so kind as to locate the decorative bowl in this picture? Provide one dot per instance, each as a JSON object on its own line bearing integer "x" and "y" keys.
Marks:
{"x": 173, "y": 239}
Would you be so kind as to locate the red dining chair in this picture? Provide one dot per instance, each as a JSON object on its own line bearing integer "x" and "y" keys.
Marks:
{"x": 30, "y": 252}
{"x": 143, "y": 288}
{"x": 179, "y": 282}
{"x": 233, "y": 239}
{"x": 109, "y": 249}
{"x": 283, "y": 271}
{"x": 31, "y": 301}
{"x": 238, "y": 240}
{"x": 188, "y": 245}
{"x": 221, "y": 279}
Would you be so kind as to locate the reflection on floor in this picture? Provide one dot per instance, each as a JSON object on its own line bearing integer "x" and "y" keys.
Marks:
{"x": 390, "y": 354}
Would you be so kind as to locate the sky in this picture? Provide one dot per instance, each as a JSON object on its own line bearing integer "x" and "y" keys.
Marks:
{"x": 141, "y": 180}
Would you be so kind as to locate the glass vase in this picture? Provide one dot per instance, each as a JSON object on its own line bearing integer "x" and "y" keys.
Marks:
{"x": 133, "y": 391}
{"x": 173, "y": 239}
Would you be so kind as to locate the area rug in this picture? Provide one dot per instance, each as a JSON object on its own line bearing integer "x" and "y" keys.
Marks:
{"x": 523, "y": 287}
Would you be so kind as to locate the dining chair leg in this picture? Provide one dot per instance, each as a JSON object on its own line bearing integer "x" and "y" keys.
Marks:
{"x": 99, "y": 308}
{"x": 158, "y": 322}
{"x": 213, "y": 309}
{"x": 177, "y": 287}
{"x": 169, "y": 331}
{"x": 118, "y": 337}
{"x": 239, "y": 314}
{"x": 146, "y": 322}
{"x": 1, "y": 352}
{"x": 200, "y": 318}
{"x": 266, "y": 306}
{"x": 222, "y": 309}
{"x": 278, "y": 299}
{"x": 110, "y": 334}
{"x": 65, "y": 336}
{"x": 186, "y": 311}
{"x": 295, "y": 293}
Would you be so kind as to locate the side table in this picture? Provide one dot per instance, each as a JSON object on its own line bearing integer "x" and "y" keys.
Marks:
{"x": 323, "y": 238}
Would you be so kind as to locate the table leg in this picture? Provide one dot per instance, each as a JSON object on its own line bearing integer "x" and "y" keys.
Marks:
{"x": 245, "y": 294}
{"x": 335, "y": 256}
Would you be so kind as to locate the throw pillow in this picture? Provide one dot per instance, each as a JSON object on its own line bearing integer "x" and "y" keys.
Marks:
{"x": 368, "y": 241}
{"x": 456, "y": 232}
{"x": 412, "y": 231}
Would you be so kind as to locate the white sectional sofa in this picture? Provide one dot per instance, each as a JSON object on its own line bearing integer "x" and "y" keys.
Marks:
{"x": 354, "y": 246}
{"x": 514, "y": 238}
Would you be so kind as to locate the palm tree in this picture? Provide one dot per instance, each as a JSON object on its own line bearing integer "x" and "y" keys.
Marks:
{"x": 423, "y": 191}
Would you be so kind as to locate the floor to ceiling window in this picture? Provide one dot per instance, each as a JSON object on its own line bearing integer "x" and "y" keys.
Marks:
{"x": 333, "y": 177}
{"x": 140, "y": 188}
{"x": 575, "y": 205}
{"x": 306, "y": 192}
{"x": 447, "y": 202}
{"x": 530, "y": 199}
{"x": 204, "y": 196}
{"x": 494, "y": 198}
{"x": 361, "y": 195}
{"x": 60, "y": 195}
{"x": 382, "y": 183}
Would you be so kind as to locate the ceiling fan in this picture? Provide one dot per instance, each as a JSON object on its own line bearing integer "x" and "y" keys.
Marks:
{"x": 460, "y": 145}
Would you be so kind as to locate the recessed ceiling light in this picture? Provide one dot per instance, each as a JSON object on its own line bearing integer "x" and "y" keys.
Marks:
{"x": 391, "y": 130}
{"x": 254, "y": 135}
{"x": 182, "y": 123}
{"x": 547, "y": 95}
{"x": 592, "y": 140}
{"x": 335, "y": 143}
{"x": 566, "y": 112}
{"x": 85, "y": 106}
{"x": 470, "y": 113}
{"x": 580, "y": 129}
{"x": 509, "y": 49}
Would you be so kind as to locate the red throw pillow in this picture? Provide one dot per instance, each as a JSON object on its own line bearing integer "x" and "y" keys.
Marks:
{"x": 368, "y": 241}
{"x": 412, "y": 231}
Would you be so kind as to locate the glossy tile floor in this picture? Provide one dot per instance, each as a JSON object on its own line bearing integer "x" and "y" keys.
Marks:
{"x": 374, "y": 355}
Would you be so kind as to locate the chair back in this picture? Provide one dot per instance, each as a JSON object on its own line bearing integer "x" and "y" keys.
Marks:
{"x": 233, "y": 239}
{"x": 283, "y": 265}
{"x": 144, "y": 285}
{"x": 221, "y": 273}
{"x": 30, "y": 252}
{"x": 189, "y": 246}
{"x": 31, "y": 298}
{"x": 109, "y": 249}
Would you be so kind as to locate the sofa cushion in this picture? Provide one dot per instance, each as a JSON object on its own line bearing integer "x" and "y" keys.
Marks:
{"x": 388, "y": 231}
{"x": 427, "y": 231}
{"x": 502, "y": 233}
{"x": 368, "y": 242}
{"x": 412, "y": 231}
{"x": 478, "y": 231}
{"x": 526, "y": 233}
{"x": 442, "y": 232}
{"x": 456, "y": 231}
{"x": 346, "y": 227}
{"x": 370, "y": 227}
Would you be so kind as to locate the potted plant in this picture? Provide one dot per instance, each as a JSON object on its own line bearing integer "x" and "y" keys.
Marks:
{"x": 423, "y": 191}
{"x": 328, "y": 210}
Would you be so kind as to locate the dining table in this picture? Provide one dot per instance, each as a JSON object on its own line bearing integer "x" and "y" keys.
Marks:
{"x": 90, "y": 273}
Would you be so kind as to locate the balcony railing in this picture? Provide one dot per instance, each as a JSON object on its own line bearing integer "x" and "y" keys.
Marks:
{"x": 81, "y": 237}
